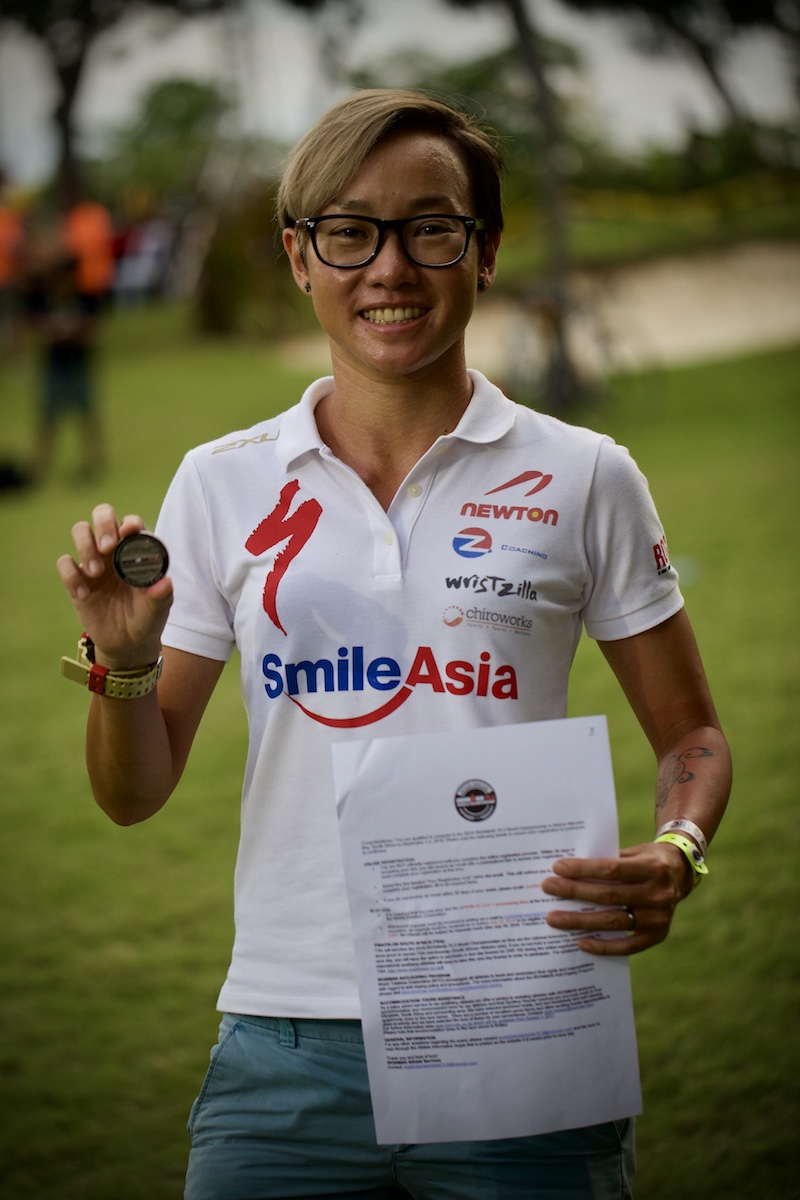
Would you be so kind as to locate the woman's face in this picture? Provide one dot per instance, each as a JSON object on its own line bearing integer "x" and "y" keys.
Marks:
{"x": 392, "y": 317}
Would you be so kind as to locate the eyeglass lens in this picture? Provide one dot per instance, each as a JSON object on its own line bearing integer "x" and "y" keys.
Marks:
{"x": 433, "y": 241}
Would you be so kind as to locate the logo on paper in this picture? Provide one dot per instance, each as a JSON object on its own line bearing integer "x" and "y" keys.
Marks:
{"x": 475, "y": 800}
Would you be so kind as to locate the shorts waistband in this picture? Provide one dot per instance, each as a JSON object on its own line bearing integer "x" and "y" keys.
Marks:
{"x": 289, "y": 1029}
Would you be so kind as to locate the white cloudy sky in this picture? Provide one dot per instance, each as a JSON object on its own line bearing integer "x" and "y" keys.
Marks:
{"x": 273, "y": 59}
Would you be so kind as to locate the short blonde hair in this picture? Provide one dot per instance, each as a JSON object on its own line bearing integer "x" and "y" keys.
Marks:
{"x": 335, "y": 148}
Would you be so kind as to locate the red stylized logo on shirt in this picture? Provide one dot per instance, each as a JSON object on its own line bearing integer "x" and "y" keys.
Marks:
{"x": 525, "y": 477}
{"x": 514, "y": 512}
{"x": 295, "y": 530}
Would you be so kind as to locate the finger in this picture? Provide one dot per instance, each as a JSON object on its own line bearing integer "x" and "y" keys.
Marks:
{"x": 90, "y": 556}
{"x": 632, "y": 865}
{"x": 619, "y": 947}
{"x": 73, "y": 578}
{"x": 106, "y": 527}
{"x": 595, "y": 920}
{"x": 131, "y": 523}
{"x": 591, "y": 890}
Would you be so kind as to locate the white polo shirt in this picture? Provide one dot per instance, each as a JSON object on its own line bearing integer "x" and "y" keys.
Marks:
{"x": 458, "y": 608}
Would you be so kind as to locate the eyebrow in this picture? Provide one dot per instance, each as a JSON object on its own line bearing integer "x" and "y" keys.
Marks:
{"x": 423, "y": 204}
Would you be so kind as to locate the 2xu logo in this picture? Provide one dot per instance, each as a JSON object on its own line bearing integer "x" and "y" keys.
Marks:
{"x": 352, "y": 673}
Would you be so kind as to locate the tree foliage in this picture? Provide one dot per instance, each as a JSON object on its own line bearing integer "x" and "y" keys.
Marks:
{"x": 162, "y": 152}
{"x": 702, "y": 29}
{"x": 68, "y": 30}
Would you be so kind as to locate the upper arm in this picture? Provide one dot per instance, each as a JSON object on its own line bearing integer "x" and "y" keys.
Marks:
{"x": 185, "y": 687}
{"x": 662, "y": 676}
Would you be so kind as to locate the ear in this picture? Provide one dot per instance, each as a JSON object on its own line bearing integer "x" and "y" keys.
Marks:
{"x": 295, "y": 257}
{"x": 488, "y": 264}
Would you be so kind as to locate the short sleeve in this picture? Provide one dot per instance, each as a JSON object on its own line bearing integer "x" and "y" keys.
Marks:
{"x": 632, "y": 587}
{"x": 200, "y": 620}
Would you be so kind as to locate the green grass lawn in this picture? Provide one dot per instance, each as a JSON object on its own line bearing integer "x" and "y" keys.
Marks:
{"x": 115, "y": 941}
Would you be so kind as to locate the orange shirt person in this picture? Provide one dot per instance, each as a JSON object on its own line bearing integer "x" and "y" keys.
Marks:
{"x": 88, "y": 233}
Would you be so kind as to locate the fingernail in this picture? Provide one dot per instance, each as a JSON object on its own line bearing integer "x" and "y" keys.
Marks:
{"x": 95, "y": 567}
{"x": 106, "y": 543}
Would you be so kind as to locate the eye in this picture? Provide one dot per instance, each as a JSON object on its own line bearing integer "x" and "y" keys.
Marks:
{"x": 430, "y": 227}
{"x": 347, "y": 231}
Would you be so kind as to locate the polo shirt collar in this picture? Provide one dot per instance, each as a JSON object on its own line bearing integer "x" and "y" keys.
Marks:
{"x": 488, "y": 417}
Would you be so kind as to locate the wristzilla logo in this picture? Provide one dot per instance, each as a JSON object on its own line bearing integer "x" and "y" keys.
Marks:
{"x": 493, "y": 585}
{"x": 295, "y": 530}
{"x": 351, "y": 672}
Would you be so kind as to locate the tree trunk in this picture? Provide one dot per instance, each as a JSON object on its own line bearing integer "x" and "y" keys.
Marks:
{"x": 68, "y": 170}
{"x": 704, "y": 54}
{"x": 561, "y": 384}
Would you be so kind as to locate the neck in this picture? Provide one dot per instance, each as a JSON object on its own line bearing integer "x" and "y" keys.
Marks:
{"x": 382, "y": 427}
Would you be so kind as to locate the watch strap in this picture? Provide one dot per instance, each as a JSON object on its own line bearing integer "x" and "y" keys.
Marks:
{"x": 101, "y": 681}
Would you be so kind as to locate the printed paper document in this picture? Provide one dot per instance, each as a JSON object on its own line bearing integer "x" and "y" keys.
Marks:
{"x": 480, "y": 1021}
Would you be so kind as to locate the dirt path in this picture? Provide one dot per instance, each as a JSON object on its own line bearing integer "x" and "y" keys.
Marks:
{"x": 672, "y": 310}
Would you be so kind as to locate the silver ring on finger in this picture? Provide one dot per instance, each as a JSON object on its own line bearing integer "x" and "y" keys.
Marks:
{"x": 631, "y": 920}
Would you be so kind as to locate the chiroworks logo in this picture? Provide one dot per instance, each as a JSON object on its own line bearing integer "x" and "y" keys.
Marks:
{"x": 506, "y": 511}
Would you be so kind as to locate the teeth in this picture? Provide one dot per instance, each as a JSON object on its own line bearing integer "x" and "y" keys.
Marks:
{"x": 388, "y": 316}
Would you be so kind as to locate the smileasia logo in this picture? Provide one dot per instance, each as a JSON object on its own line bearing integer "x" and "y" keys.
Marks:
{"x": 352, "y": 671}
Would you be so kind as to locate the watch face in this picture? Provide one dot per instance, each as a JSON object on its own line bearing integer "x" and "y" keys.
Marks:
{"x": 141, "y": 560}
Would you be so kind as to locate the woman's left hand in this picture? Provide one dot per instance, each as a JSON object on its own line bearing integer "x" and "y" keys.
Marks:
{"x": 639, "y": 892}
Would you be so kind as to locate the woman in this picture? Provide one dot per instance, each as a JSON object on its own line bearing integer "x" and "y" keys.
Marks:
{"x": 324, "y": 544}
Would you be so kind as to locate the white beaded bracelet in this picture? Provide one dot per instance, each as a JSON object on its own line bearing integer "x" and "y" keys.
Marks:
{"x": 681, "y": 825}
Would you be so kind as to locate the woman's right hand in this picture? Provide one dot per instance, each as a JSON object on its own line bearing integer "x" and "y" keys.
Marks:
{"x": 125, "y": 623}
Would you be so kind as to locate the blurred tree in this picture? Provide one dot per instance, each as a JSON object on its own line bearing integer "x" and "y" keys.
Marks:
{"x": 561, "y": 385}
{"x": 163, "y": 150}
{"x": 69, "y": 29}
{"x": 705, "y": 29}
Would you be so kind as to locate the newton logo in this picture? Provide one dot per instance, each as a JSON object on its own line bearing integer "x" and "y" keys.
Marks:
{"x": 472, "y": 543}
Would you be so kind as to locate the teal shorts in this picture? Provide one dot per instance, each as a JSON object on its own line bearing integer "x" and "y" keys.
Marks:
{"x": 285, "y": 1112}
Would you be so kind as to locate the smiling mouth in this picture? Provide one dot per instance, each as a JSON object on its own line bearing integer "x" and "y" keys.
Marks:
{"x": 392, "y": 316}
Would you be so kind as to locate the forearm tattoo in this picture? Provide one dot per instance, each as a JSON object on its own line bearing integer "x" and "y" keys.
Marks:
{"x": 674, "y": 770}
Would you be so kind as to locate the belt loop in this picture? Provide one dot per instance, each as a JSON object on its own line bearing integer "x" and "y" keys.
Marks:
{"x": 287, "y": 1034}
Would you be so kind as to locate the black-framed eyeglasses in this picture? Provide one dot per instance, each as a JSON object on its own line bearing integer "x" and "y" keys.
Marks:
{"x": 347, "y": 240}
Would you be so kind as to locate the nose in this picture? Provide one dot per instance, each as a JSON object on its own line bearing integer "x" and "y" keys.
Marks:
{"x": 392, "y": 263}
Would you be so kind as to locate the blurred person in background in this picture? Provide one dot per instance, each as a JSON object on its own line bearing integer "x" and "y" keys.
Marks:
{"x": 65, "y": 287}
{"x": 87, "y": 231}
{"x": 329, "y": 527}
{"x": 12, "y": 242}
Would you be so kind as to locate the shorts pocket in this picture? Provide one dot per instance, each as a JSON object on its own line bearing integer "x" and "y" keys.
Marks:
{"x": 215, "y": 1068}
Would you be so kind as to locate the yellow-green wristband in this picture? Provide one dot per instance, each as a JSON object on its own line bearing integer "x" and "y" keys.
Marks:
{"x": 691, "y": 853}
